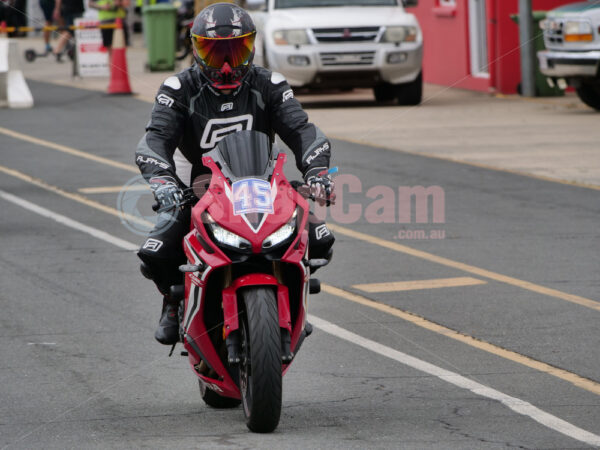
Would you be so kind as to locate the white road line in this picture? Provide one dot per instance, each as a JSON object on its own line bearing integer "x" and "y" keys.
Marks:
{"x": 516, "y": 404}
{"x": 99, "y": 234}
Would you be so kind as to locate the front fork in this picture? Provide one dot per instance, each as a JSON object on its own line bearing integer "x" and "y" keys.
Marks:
{"x": 231, "y": 328}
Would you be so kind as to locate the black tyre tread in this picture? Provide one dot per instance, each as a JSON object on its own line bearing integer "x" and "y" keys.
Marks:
{"x": 410, "y": 94}
{"x": 211, "y": 398}
{"x": 265, "y": 356}
{"x": 589, "y": 94}
{"x": 384, "y": 93}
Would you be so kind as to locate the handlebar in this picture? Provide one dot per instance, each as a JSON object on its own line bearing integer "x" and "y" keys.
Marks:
{"x": 188, "y": 198}
{"x": 308, "y": 193}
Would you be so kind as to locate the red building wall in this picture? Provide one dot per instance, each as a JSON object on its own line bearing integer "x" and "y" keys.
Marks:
{"x": 446, "y": 43}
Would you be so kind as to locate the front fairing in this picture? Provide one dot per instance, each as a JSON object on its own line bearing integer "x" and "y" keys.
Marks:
{"x": 249, "y": 194}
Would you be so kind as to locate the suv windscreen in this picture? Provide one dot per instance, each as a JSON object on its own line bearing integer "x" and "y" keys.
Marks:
{"x": 280, "y": 4}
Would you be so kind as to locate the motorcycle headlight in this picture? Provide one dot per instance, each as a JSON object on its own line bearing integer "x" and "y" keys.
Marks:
{"x": 290, "y": 37}
{"x": 281, "y": 234}
{"x": 400, "y": 34}
{"x": 224, "y": 236}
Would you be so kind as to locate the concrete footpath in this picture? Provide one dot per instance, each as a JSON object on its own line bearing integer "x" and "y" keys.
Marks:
{"x": 555, "y": 138}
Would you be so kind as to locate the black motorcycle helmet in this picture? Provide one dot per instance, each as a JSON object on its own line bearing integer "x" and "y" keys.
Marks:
{"x": 223, "y": 40}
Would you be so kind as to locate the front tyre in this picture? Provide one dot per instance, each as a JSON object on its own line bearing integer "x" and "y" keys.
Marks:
{"x": 589, "y": 93}
{"x": 260, "y": 369}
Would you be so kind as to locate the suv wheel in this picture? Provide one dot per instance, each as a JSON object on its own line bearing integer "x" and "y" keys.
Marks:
{"x": 384, "y": 92}
{"x": 589, "y": 93}
{"x": 410, "y": 94}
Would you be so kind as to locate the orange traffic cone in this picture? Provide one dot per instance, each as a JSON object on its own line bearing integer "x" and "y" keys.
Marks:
{"x": 119, "y": 76}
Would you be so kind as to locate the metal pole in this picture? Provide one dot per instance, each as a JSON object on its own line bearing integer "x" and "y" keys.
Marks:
{"x": 527, "y": 49}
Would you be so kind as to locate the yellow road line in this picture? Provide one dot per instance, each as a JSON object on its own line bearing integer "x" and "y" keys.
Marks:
{"x": 68, "y": 150}
{"x": 565, "y": 375}
{"x": 471, "y": 163}
{"x": 577, "y": 380}
{"x": 395, "y": 286}
{"x": 76, "y": 197}
{"x": 592, "y": 304}
{"x": 113, "y": 189}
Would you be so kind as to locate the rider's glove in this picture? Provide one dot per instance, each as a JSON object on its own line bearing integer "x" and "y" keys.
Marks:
{"x": 321, "y": 187}
{"x": 166, "y": 193}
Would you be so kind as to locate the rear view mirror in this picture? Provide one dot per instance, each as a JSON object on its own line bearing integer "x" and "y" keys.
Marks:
{"x": 255, "y": 5}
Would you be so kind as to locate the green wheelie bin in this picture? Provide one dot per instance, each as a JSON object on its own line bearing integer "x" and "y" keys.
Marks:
{"x": 542, "y": 88}
{"x": 160, "y": 21}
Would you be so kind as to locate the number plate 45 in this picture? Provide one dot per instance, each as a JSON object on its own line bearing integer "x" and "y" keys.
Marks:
{"x": 252, "y": 195}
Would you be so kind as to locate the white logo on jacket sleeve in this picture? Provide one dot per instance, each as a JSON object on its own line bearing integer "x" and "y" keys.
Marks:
{"x": 217, "y": 129}
{"x": 163, "y": 99}
{"x": 288, "y": 94}
{"x": 150, "y": 160}
{"x": 152, "y": 245}
{"x": 317, "y": 152}
{"x": 173, "y": 83}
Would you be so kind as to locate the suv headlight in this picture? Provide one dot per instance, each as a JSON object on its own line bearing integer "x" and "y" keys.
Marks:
{"x": 281, "y": 234}
{"x": 224, "y": 236}
{"x": 578, "y": 31}
{"x": 400, "y": 34}
{"x": 290, "y": 37}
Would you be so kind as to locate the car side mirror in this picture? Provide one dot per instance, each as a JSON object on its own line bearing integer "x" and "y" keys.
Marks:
{"x": 410, "y": 3}
{"x": 256, "y": 5}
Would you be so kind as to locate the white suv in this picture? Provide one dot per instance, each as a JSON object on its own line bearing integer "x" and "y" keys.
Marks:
{"x": 572, "y": 37}
{"x": 344, "y": 44}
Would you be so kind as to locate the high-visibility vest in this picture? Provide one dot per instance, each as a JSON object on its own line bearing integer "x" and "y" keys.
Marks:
{"x": 140, "y": 3}
{"x": 111, "y": 14}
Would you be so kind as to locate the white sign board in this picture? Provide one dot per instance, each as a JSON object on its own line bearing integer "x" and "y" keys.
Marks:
{"x": 92, "y": 56}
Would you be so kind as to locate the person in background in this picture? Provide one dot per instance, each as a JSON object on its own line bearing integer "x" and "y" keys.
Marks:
{"x": 65, "y": 13}
{"x": 108, "y": 12}
{"x": 13, "y": 13}
{"x": 47, "y": 7}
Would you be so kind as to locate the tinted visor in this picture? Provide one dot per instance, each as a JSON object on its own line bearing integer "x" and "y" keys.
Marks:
{"x": 216, "y": 51}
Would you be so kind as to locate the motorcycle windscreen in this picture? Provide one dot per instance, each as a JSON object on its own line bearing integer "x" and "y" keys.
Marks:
{"x": 246, "y": 153}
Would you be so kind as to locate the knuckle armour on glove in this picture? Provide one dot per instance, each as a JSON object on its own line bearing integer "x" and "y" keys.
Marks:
{"x": 166, "y": 193}
{"x": 322, "y": 187}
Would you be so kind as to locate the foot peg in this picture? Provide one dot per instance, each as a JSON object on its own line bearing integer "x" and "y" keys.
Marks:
{"x": 308, "y": 329}
{"x": 314, "y": 286}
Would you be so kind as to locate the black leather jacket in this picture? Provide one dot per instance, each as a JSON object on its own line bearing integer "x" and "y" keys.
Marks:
{"x": 188, "y": 114}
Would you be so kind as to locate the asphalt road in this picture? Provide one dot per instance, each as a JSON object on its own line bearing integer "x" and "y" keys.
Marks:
{"x": 508, "y": 356}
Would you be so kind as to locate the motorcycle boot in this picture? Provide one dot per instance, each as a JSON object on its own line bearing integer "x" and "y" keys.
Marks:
{"x": 167, "y": 332}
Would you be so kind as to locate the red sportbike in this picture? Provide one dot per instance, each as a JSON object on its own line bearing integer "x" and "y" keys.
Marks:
{"x": 247, "y": 281}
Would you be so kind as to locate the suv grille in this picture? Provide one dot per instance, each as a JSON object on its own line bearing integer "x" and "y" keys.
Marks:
{"x": 362, "y": 34}
{"x": 347, "y": 58}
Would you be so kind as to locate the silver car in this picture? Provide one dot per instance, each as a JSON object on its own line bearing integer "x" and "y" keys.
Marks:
{"x": 344, "y": 44}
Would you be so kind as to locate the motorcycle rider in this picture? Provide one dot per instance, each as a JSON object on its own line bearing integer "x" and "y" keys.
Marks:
{"x": 220, "y": 94}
